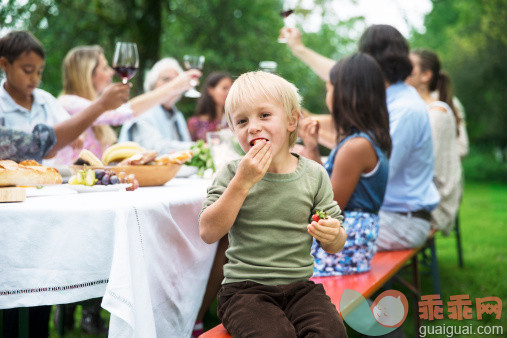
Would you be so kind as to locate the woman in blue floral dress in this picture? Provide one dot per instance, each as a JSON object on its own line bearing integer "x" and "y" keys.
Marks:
{"x": 358, "y": 164}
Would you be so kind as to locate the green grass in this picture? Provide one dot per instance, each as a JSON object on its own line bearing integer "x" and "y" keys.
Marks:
{"x": 483, "y": 216}
{"x": 483, "y": 222}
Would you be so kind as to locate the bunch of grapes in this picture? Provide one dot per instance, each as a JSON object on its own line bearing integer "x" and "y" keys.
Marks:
{"x": 83, "y": 177}
{"x": 91, "y": 177}
{"x": 107, "y": 176}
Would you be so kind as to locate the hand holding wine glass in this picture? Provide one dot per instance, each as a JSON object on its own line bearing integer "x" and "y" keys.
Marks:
{"x": 288, "y": 19}
{"x": 292, "y": 37}
{"x": 114, "y": 95}
{"x": 186, "y": 80}
{"x": 125, "y": 60}
{"x": 193, "y": 62}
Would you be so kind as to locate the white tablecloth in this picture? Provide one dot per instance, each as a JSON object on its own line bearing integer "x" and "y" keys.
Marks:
{"x": 140, "y": 250}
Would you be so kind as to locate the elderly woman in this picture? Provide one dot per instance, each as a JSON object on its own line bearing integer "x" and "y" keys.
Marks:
{"x": 86, "y": 74}
{"x": 163, "y": 127}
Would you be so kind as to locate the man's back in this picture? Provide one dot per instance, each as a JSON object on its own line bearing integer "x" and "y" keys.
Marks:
{"x": 410, "y": 186}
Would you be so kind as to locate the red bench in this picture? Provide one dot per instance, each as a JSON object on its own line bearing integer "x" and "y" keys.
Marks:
{"x": 383, "y": 267}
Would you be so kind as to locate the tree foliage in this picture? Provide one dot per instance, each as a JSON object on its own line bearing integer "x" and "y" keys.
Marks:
{"x": 470, "y": 38}
{"x": 233, "y": 35}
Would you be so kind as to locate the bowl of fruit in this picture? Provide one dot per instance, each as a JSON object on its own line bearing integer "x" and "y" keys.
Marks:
{"x": 149, "y": 168}
{"x": 149, "y": 174}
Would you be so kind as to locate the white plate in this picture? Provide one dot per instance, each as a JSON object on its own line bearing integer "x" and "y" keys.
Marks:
{"x": 98, "y": 188}
{"x": 187, "y": 171}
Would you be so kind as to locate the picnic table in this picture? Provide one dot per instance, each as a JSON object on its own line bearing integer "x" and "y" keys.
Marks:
{"x": 141, "y": 251}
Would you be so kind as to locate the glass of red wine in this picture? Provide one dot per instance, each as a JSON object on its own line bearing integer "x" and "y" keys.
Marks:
{"x": 193, "y": 62}
{"x": 125, "y": 60}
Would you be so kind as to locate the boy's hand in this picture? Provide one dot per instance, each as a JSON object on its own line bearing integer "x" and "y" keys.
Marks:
{"x": 255, "y": 163}
{"x": 78, "y": 143}
{"x": 115, "y": 95}
{"x": 329, "y": 233}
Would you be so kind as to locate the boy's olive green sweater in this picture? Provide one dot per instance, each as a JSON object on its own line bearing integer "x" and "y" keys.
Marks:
{"x": 269, "y": 242}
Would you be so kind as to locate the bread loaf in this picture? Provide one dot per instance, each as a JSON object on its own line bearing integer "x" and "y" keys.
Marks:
{"x": 13, "y": 174}
{"x": 88, "y": 158}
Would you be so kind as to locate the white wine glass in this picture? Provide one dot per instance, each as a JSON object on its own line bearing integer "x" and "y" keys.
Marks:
{"x": 268, "y": 66}
{"x": 193, "y": 62}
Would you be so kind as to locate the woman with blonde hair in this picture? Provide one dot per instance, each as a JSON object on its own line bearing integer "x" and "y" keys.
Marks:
{"x": 86, "y": 74}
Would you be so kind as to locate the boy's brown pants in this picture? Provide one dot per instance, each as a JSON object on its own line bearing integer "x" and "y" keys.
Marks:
{"x": 299, "y": 309}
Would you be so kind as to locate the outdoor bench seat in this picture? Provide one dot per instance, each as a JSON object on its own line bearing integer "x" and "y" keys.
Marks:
{"x": 384, "y": 266}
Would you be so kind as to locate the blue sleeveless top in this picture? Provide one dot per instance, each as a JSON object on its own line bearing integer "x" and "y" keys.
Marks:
{"x": 369, "y": 193}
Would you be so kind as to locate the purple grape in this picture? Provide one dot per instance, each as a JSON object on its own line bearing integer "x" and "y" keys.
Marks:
{"x": 99, "y": 173}
{"x": 99, "y": 182}
{"x": 105, "y": 179}
{"x": 114, "y": 179}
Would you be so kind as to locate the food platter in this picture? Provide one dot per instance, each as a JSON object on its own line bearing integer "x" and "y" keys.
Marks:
{"x": 98, "y": 188}
{"x": 147, "y": 175}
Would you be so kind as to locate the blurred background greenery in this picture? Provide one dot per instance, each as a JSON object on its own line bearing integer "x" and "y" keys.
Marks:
{"x": 235, "y": 36}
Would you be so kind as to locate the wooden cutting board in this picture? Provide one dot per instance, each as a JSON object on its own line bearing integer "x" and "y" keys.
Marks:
{"x": 12, "y": 194}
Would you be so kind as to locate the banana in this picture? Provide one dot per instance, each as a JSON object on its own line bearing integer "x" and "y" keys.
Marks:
{"x": 118, "y": 155}
{"x": 114, "y": 152}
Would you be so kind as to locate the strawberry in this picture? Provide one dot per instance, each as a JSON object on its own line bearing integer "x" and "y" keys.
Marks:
{"x": 319, "y": 215}
{"x": 255, "y": 140}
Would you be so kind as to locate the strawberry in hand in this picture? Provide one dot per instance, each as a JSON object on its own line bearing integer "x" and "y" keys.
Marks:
{"x": 319, "y": 215}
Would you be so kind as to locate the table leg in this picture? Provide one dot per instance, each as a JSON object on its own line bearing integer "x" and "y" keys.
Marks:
{"x": 23, "y": 323}
{"x": 61, "y": 321}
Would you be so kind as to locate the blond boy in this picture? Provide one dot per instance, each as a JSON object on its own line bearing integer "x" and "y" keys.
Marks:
{"x": 265, "y": 202}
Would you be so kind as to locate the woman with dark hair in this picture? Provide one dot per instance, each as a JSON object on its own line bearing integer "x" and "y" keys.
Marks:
{"x": 209, "y": 113}
{"x": 426, "y": 78}
{"x": 410, "y": 193}
{"x": 358, "y": 164}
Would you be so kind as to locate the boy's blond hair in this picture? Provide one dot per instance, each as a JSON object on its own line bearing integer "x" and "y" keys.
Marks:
{"x": 251, "y": 86}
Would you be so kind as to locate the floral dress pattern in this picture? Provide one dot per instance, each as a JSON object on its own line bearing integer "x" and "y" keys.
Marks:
{"x": 360, "y": 247}
{"x": 19, "y": 146}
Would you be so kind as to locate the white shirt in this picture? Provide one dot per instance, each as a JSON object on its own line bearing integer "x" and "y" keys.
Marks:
{"x": 45, "y": 109}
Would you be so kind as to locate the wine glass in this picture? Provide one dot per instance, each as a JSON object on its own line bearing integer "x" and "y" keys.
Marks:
{"x": 288, "y": 19}
{"x": 125, "y": 60}
{"x": 268, "y": 66}
{"x": 193, "y": 62}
